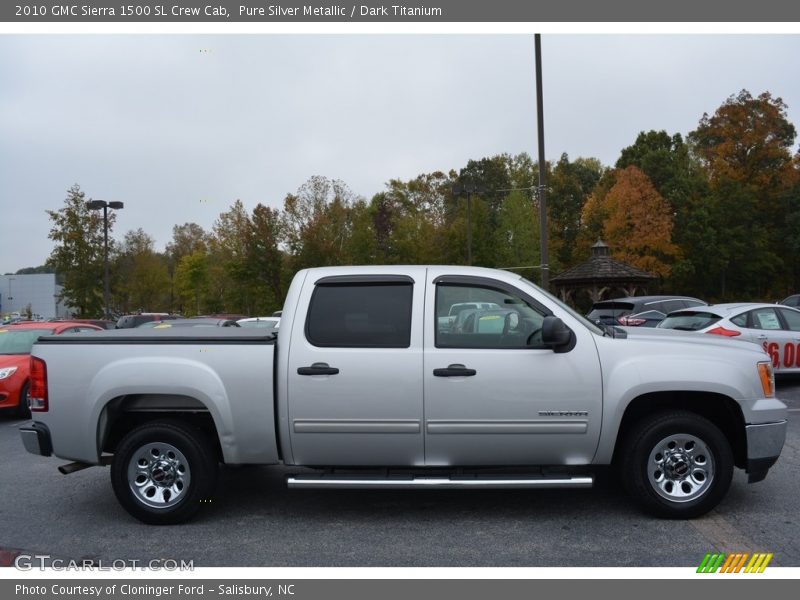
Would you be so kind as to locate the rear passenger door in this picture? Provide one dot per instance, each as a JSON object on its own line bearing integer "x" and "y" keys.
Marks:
{"x": 355, "y": 371}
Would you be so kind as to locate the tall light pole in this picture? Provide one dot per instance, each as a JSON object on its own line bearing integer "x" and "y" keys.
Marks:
{"x": 97, "y": 205}
{"x": 468, "y": 189}
{"x": 542, "y": 184}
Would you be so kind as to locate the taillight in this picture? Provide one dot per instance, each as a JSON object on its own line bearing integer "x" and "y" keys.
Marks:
{"x": 631, "y": 321}
{"x": 37, "y": 390}
{"x": 725, "y": 332}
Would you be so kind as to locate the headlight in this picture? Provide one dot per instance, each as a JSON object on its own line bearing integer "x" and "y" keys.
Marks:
{"x": 767, "y": 376}
{"x": 7, "y": 372}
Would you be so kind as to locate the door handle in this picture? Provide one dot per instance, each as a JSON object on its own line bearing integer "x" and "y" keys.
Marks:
{"x": 319, "y": 368}
{"x": 454, "y": 371}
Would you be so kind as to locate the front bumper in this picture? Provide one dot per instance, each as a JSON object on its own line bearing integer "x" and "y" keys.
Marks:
{"x": 764, "y": 444}
{"x": 36, "y": 439}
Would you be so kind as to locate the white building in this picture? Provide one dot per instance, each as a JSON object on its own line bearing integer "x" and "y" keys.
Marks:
{"x": 40, "y": 291}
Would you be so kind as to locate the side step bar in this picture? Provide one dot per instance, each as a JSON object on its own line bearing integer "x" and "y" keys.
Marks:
{"x": 328, "y": 481}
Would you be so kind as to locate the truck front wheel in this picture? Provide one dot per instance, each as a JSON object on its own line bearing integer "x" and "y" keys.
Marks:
{"x": 163, "y": 471}
{"x": 677, "y": 464}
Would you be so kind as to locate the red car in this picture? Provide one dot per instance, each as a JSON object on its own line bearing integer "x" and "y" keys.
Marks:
{"x": 15, "y": 348}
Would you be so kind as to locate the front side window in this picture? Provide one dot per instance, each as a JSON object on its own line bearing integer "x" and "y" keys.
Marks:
{"x": 477, "y": 316}
{"x": 360, "y": 315}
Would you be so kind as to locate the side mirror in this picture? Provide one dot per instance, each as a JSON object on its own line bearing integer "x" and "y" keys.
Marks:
{"x": 556, "y": 335}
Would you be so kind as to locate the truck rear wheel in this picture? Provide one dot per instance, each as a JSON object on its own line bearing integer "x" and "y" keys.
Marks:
{"x": 677, "y": 464}
{"x": 163, "y": 471}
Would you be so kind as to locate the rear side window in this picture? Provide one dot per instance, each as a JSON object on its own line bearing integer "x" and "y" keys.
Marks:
{"x": 689, "y": 321}
{"x": 360, "y": 315}
{"x": 610, "y": 310}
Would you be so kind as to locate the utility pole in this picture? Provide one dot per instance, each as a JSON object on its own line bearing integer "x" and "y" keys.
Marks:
{"x": 542, "y": 182}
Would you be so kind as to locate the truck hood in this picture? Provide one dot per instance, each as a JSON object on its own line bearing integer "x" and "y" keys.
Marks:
{"x": 672, "y": 337}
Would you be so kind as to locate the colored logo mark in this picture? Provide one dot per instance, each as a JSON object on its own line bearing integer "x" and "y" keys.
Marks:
{"x": 739, "y": 562}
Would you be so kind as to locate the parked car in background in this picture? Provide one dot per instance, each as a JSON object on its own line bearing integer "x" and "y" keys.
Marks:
{"x": 776, "y": 328}
{"x": 457, "y": 313}
{"x": 130, "y": 321}
{"x": 101, "y": 323}
{"x": 793, "y": 301}
{"x": 15, "y": 348}
{"x": 261, "y": 322}
{"x": 195, "y": 322}
{"x": 639, "y": 311}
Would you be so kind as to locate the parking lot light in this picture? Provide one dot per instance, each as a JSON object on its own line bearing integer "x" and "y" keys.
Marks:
{"x": 98, "y": 205}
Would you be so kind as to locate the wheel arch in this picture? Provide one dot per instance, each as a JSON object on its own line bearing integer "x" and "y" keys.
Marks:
{"x": 721, "y": 410}
{"x": 122, "y": 414}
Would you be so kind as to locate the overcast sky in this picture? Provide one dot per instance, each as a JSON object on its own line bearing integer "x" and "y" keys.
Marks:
{"x": 179, "y": 126}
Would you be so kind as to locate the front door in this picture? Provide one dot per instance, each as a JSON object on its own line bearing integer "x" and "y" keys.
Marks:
{"x": 494, "y": 395}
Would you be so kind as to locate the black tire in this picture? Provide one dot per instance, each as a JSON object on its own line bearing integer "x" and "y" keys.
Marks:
{"x": 163, "y": 472}
{"x": 23, "y": 410}
{"x": 677, "y": 464}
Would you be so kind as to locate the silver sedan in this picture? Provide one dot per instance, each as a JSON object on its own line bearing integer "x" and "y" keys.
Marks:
{"x": 774, "y": 327}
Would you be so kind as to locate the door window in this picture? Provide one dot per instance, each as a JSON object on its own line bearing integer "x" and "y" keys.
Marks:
{"x": 764, "y": 318}
{"x": 360, "y": 315}
{"x": 477, "y": 316}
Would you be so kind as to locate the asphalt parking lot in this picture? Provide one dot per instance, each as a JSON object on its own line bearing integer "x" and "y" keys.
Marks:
{"x": 255, "y": 521}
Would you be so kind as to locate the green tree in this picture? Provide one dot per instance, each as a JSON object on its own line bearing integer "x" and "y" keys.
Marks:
{"x": 141, "y": 277}
{"x": 186, "y": 240}
{"x": 746, "y": 148}
{"x": 192, "y": 278}
{"x": 680, "y": 178}
{"x": 78, "y": 252}
{"x": 569, "y": 187}
{"x": 265, "y": 260}
{"x": 317, "y": 223}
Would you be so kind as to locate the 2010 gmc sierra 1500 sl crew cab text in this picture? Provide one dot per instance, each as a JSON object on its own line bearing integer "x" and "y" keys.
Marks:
{"x": 367, "y": 383}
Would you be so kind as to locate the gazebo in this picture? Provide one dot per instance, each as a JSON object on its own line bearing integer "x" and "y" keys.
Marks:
{"x": 601, "y": 277}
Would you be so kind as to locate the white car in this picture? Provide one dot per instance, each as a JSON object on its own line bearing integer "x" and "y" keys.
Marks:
{"x": 774, "y": 327}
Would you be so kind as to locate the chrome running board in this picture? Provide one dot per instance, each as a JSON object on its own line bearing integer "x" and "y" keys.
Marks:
{"x": 332, "y": 481}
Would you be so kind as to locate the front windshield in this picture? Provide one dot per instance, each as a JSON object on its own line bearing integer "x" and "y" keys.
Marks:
{"x": 20, "y": 341}
{"x": 586, "y": 322}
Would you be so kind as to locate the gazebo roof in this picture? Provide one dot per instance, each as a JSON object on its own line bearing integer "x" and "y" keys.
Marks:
{"x": 601, "y": 268}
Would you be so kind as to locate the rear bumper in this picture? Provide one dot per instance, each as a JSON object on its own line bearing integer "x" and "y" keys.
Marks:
{"x": 36, "y": 439}
{"x": 764, "y": 444}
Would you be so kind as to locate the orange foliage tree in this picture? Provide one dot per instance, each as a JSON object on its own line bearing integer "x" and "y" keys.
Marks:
{"x": 636, "y": 222}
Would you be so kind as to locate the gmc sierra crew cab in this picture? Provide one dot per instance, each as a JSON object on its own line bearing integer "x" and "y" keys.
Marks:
{"x": 366, "y": 384}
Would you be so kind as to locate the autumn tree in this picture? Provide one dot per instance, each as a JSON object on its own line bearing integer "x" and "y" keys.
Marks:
{"x": 680, "y": 178}
{"x": 78, "y": 252}
{"x": 636, "y": 222}
{"x": 746, "y": 148}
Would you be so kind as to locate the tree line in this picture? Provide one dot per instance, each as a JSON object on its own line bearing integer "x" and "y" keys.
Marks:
{"x": 715, "y": 215}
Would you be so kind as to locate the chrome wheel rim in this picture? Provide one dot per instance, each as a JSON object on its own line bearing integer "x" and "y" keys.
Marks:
{"x": 680, "y": 468}
{"x": 159, "y": 475}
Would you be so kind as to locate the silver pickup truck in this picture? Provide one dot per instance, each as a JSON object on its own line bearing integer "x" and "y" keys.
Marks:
{"x": 365, "y": 385}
